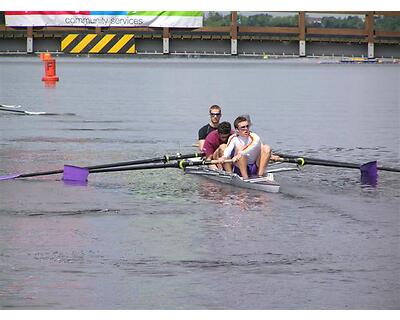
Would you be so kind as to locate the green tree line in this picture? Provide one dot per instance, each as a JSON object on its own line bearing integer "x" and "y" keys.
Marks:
{"x": 387, "y": 23}
{"x": 215, "y": 19}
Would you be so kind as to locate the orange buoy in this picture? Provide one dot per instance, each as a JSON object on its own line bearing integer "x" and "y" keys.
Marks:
{"x": 45, "y": 56}
{"x": 49, "y": 68}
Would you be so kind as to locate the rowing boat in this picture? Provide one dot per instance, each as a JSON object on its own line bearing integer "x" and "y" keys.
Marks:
{"x": 194, "y": 164}
{"x": 266, "y": 183}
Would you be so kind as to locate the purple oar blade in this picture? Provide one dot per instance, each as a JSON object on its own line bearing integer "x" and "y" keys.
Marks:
{"x": 369, "y": 173}
{"x": 73, "y": 173}
{"x": 10, "y": 176}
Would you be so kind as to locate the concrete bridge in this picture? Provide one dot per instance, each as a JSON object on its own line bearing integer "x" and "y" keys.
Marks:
{"x": 233, "y": 40}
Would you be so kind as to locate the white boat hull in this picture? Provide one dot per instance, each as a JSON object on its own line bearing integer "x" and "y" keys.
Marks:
{"x": 266, "y": 184}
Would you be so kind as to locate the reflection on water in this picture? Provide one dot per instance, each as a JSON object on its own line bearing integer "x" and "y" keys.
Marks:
{"x": 226, "y": 195}
{"x": 75, "y": 183}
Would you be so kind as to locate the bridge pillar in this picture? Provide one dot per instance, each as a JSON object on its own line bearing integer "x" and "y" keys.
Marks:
{"x": 29, "y": 40}
{"x": 371, "y": 51}
{"x": 302, "y": 48}
{"x": 165, "y": 45}
{"x": 165, "y": 40}
{"x": 302, "y": 34}
{"x": 234, "y": 33}
{"x": 233, "y": 47}
{"x": 370, "y": 30}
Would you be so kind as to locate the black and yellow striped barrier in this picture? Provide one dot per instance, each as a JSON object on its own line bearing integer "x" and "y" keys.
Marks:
{"x": 96, "y": 43}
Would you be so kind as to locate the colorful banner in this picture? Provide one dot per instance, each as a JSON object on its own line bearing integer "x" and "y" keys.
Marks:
{"x": 170, "y": 19}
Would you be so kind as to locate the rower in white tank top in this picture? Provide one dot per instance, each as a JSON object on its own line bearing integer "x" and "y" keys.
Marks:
{"x": 249, "y": 146}
{"x": 246, "y": 151}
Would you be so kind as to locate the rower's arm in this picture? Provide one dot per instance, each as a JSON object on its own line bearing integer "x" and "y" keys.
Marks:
{"x": 229, "y": 148}
{"x": 201, "y": 144}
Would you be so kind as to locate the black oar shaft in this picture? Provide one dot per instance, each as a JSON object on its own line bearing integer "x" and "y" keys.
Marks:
{"x": 176, "y": 164}
{"x": 283, "y": 155}
{"x": 163, "y": 160}
{"x": 137, "y": 167}
{"x": 42, "y": 173}
{"x": 389, "y": 169}
{"x": 11, "y": 110}
{"x": 144, "y": 161}
{"x": 332, "y": 163}
{"x": 303, "y": 161}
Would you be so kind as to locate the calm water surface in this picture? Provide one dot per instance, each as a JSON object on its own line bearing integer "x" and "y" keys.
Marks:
{"x": 163, "y": 240}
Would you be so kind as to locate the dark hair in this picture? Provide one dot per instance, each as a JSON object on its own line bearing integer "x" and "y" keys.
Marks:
{"x": 247, "y": 117}
{"x": 238, "y": 120}
{"x": 224, "y": 127}
{"x": 215, "y": 106}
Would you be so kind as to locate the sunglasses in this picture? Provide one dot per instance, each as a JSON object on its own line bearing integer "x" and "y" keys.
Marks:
{"x": 215, "y": 114}
{"x": 243, "y": 127}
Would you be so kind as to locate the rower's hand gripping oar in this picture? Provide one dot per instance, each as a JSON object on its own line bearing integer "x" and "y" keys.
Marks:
{"x": 73, "y": 171}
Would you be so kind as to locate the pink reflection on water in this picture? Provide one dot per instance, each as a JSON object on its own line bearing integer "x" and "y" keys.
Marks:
{"x": 233, "y": 196}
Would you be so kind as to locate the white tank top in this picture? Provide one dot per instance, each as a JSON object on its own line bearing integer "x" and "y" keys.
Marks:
{"x": 248, "y": 146}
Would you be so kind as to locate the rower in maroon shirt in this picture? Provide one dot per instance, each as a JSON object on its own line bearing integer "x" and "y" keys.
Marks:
{"x": 215, "y": 142}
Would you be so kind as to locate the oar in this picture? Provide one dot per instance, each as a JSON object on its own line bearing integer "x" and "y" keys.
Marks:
{"x": 9, "y": 106}
{"x": 369, "y": 170}
{"x": 3, "y": 108}
{"x": 331, "y": 163}
{"x": 31, "y": 113}
{"x": 72, "y": 173}
{"x": 164, "y": 159}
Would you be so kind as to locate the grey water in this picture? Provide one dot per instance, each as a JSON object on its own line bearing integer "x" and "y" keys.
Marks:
{"x": 159, "y": 239}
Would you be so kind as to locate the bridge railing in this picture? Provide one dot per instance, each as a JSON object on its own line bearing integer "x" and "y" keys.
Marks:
{"x": 303, "y": 32}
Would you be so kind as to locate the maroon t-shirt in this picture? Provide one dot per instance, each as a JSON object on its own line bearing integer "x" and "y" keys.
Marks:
{"x": 212, "y": 143}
